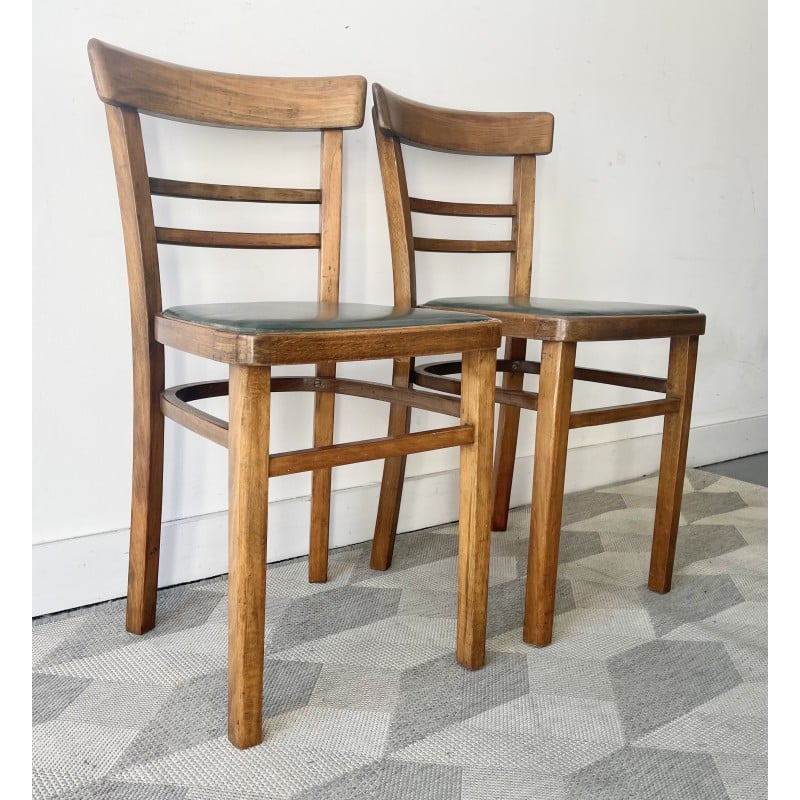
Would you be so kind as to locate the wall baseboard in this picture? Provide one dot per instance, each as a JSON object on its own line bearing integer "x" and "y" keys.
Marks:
{"x": 88, "y": 569}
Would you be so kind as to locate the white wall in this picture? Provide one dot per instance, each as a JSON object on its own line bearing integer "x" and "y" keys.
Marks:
{"x": 655, "y": 192}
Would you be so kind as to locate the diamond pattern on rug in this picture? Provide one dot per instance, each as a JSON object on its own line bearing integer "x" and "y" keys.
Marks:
{"x": 395, "y": 780}
{"x": 639, "y": 695}
{"x": 633, "y": 773}
{"x": 659, "y": 681}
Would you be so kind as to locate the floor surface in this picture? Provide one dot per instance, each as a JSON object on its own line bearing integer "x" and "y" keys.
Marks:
{"x": 640, "y": 696}
{"x": 752, "y": 469}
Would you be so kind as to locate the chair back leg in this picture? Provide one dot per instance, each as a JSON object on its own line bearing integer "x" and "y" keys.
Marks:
{"x": 393, "y": 475}
{"x": 321, "y": 482}
{"x": 146, "y": 495}
{"x": 506, "y": 447}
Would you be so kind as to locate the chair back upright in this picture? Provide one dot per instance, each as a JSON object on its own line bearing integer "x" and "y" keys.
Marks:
{"x": 521, "y": 135}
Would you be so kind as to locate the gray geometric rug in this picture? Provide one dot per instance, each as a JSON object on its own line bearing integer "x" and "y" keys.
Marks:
{"x": 639, "y": 696}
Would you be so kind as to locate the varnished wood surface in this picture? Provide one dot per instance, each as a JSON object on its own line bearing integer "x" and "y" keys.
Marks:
{"x": 506, "y": 445}
{"x": 477, "y": 411}
{"x": 593, "y": 329}
{"x": 549, "y": 464}
{"x": 463, "y": 131}
{"x": 123, "y": 78}
{"x": 398, "y": 214}
{"x": 629, "y": 380}
{"x": 331, "y": 146}
{"x": 148, "y": 368}
{"x": 394, "y": 470}
{"x": 367, "y": 450}
{"x": 462, "y": 245}
{"x": 232, "y": 193}
{"x": 234, "y": 239}
{"x": 248, "y": 467}
{"x": 623, "y": 412}
{"x": 422, "y": 206}
{"x": 680, "y": 384}
{"x": 304, "y": 348}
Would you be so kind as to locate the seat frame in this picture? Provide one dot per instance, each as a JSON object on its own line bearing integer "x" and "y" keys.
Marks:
{"x": 400, "y": 122}
{"x": 129, "y": 85}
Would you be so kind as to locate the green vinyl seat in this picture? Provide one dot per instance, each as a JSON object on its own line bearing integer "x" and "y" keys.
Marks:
{"x": 299, "y": 317}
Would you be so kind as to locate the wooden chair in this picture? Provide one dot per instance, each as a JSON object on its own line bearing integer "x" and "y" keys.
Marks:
{"x": 558, "y": 324}
{"x": 253, "y": 336}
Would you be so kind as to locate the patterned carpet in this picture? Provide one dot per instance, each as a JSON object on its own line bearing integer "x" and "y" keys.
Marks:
{"x": 639, "y": 696}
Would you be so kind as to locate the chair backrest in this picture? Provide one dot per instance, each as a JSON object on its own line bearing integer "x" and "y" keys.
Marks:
{"x": 521, "y": 135}
{"x": 131, "y": 84}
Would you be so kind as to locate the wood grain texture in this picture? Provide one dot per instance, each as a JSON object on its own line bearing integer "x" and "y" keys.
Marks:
{"x": 476, "y": 132}
{"x": 477, "y": 410}
{"x": 398, "y": 216}
{"x": 622, "y": 413}
{"x": 248, "y": 468}
{"x": 324, "y": 402}
{"x": 314, "y": 347}
{"x": 393, "y": 475}
{"x": 123, "y": 78}
{"x": 506, "y": 445}
{"x": 450, "y": 209}
{"x": 593, "y": 329}
{"x": 680, "y": 385}
{"x": 176, "y": 402}
{"x": 428, "y": 245}
{"x": 519, "y": 285}
{"x": 144, "y": 287}
{"x": 549, "y": 466}
{"x": 236, "y": 240}
{"x": 232, "y": 193}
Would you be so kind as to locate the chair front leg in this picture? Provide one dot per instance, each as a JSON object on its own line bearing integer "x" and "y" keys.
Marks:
{"x": 674, "y": 445}
{"x": 477, "y": 409}
{"x": 549, "y": 465}
{"x": 147, "y": 488}
{"x": 394, "y": 470}
{"x": 248, "y": 471}
{"x": 506, "y": 447}
{"x": 321, "y": 481}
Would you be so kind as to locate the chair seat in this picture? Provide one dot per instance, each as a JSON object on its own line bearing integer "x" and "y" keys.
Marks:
{"x": 303, "y": 317}
{"x": 555, "y": 307}
{"x": 306, "y": 332}
{"x": 559, "y": 319}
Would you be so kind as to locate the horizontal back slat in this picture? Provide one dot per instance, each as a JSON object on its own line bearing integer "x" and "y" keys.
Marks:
{"x": 246, "y": 194}
{"x": 462, "y": 209}
{"x": 245, "y": 241}
{"x": 471, "y": 132}
{"x": 463, "y": 245}
{"x": 168, "y": 90}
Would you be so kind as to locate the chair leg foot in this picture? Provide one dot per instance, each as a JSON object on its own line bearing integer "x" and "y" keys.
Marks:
{"x": 549, "y": 465}
{"x": 680, "y": 383}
